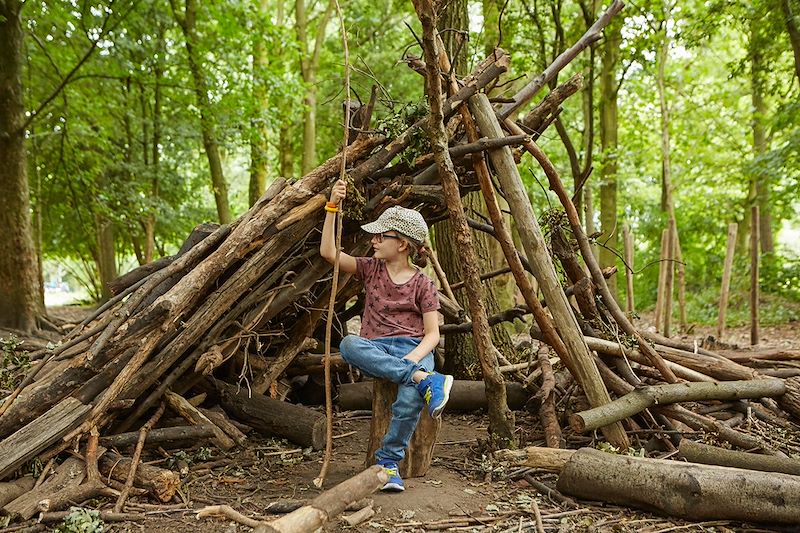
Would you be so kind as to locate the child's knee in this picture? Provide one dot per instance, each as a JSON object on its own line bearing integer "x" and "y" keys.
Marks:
{"x": 348, "y": 346}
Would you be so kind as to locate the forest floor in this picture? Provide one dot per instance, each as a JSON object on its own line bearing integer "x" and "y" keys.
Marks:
{"x": 464, "y": 490}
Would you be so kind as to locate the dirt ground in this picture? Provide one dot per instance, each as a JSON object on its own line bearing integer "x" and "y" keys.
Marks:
{"x": 466, "y": 489}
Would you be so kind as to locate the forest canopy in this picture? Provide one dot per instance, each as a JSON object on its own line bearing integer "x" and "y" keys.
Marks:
{"x": 144, "y": 118}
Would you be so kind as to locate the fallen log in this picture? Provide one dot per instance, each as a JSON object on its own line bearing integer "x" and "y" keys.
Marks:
{"x": 181, "y": 406}
{"x": 169, "y": 437}
{"x": 465, "y": 395}
{"x": 296, "y": 423}
{"x": 551, "y": 459}
{"x": 640, "y": 399}
{"x": 11, "y": 490}
{"x": 328, "y": 504}
{"x": 682, "y": 490}
{"x": 69, "y": 473}
{"x": 697, "y": 452}
{"x": 160, "y": 482}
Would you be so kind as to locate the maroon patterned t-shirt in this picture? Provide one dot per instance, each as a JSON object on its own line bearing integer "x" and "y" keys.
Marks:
{"x": 393, "y": 310}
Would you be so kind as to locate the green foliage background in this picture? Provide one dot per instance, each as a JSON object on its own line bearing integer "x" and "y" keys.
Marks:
{"x": 88, "y": 149}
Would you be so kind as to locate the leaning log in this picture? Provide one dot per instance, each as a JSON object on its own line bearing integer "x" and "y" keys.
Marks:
{"x": 682, "y": 490}
{"x": 697, "y": 452}
{"x": 328, "y": 504}
{"x": 35, "y": 437}
{"x": 465, "y": 396}
{"x": 640, "y": 399}
{"x": 296, "y": 423}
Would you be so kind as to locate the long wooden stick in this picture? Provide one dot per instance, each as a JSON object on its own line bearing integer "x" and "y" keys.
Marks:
{"x": 755, "y": 242}
{"x": 326, "y": 460}
{"x": 726, "y": 279}
{"x": 137, "y": 453}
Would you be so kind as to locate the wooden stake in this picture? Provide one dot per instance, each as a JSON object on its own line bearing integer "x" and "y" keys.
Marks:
{"x": 755, "y": 239}
{"x": 661, "y": 277}
{"x": 669, "y": 276}
{"x": 627, "y": 240}
{"x": 726, "y": 279}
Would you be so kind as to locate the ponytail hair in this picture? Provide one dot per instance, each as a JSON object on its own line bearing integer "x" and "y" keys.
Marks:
{"x": 419, "y": 254}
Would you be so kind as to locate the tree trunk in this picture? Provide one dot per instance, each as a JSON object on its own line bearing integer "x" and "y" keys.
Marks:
{"x": 106, "y": 256}
{"x": 501, "y": 418}
{"x": 19, "y": 292}
{"x": 609, "y": 87}
{"x": 219, "y": 187}
{"x": 309, "y": 64}
{"x": 791, "y": 10}
{"x": 761, "y": 178}
{"x": 259, "y": 131}
{"x": 682, "y": 490}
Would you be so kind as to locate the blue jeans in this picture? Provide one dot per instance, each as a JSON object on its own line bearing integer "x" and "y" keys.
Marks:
{"x": 383, "y": 358}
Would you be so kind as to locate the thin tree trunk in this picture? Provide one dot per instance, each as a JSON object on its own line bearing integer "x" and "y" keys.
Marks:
{"x": 309, "y": 64}
{"x": 19, "y": 294}
{"x": 754, "y": 288}
{"x": 219, "y": 186}
{"x": 726, "y": 280}
{"x": 791, "y": 10}
{"x": 761, "y": 179}
{"x": 259, "y": 131}
{"x": 609, "y": 87}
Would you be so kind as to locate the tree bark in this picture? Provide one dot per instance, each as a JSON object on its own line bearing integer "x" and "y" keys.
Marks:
{"x": 20, "y": 295}
{"x": 609, "y": 87}
{"x": 160, "y": 482}
{"x": 791, "y": 10}
{"x": 726, "y": 279}
{"x": 682, "y": 490}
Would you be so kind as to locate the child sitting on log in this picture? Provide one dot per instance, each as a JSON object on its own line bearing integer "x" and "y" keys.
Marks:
{"x": 400, "y": 326}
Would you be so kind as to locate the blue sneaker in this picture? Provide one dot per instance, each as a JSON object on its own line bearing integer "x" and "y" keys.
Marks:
{"x": 436, "y": 390}
{"x": 395, "y": 482}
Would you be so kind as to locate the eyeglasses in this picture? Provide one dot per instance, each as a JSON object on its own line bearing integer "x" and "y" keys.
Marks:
{"x": 381, "y": 236}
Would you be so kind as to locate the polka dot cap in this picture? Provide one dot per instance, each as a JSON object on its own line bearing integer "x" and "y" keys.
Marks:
{"x": 402, "y": 220}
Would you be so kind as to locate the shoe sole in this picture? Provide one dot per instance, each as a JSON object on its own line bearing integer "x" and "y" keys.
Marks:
{"x": 393, "y": 487}
{"x": 448, "y": 384}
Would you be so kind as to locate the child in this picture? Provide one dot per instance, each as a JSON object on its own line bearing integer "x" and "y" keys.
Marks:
{"x": 400, "y": 326}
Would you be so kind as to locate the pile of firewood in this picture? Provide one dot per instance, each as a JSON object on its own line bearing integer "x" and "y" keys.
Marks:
{"x": 238, "y": 308}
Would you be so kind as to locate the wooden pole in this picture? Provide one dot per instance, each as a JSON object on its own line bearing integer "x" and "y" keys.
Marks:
{"x": 661, "y": 277}
{"x": 726, "y": 279}
{"x": 681, "y": 267}
{"x": 627, "y": 241}
{"x": 669, "y": 276}
{"x": 754, "y": 244}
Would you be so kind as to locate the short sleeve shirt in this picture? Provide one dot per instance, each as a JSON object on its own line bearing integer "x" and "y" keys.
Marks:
{"x": 393, "y": 310}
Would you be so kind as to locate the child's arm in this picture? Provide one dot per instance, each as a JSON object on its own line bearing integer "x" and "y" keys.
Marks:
{"x": 327, "y": 246}
{"x": 430, "y": 324}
